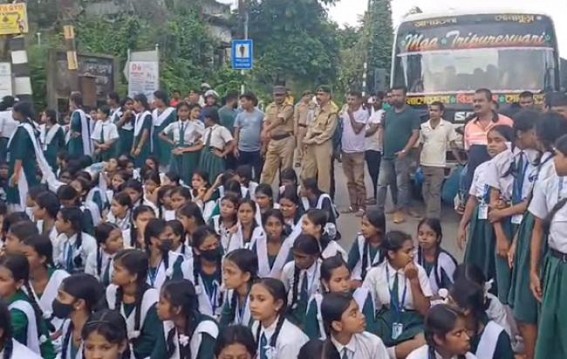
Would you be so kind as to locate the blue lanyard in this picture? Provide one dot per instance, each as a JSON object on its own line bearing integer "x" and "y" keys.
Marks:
{"x": 213, "y": 296}
{"x": 486, "y": 194}
{"x": 519, "y": 183}
{"x": 153, "y": 277}
{"x": 560, "y": 188}
{"x": 240, "y": 311}
{"x": 398, "y": 308}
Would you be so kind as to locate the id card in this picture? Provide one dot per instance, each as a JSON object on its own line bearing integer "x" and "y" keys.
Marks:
{"x": 397, "y": 330}
{"x": 483, "y": 211}
{"x": 517, "y": 219}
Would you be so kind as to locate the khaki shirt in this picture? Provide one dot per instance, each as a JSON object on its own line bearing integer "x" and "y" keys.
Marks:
{"x": 324, "y": 124}
{"x": 273, "y": 112}
{"x": 301, "y": 113}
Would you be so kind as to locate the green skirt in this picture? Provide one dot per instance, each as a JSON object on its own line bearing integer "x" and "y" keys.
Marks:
{"x": 481, "y": 246}
{"x": 50, "y": 155}
{"x": 520, "y": 297}
{"x": 75, "y": 147}
{"x": 162, "y": 149}
{"x": 552, "y": 331}
{"x": 125, "y": 141}
{"x": 185, "y": 165}
{"x": 140, "y": 161}
{"x": 385, "y": 319}
{"x": 3, "y": 148}
{"x": 210, "y": 163}
{"x": 503, "y": 271}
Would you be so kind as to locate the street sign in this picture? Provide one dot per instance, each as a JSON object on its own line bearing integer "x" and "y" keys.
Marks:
{"x": 13, "y": 19}
{"x": 242, "y": 54}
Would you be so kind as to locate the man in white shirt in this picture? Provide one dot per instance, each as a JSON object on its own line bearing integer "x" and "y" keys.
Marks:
{"x": 373, "y": 143}
{"x": 354, "y": 119}
{"x": 436, "y": 137}
{"x": 7, "y": 125}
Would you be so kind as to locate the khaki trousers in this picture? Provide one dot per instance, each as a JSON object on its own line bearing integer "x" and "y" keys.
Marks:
{"x": 301, "y": 131}
{"x": 431, "y": 190}
{"x": 353, "y": 167}
{"x": 317, "y": 164}
{"x": 279, "y": 155}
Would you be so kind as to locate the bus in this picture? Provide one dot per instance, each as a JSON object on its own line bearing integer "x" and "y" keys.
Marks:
{"x": 447, "y": 56}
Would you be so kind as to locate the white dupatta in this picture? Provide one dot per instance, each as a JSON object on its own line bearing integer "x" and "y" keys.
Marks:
{"x": 139, "y": 124}
{"x": 159, "y": 118}
{"x": 86, "y": 133}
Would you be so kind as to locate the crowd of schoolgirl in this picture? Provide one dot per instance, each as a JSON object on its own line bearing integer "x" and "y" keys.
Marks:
{"x": 106, "y": 255}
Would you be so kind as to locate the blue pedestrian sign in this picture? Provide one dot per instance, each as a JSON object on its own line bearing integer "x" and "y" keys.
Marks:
{"x": 242, "y": 54}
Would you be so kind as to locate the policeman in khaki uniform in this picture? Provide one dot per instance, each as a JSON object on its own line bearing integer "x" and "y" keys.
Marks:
{"x": 300, "y": 121}
{"x": 318, "y": 141}
{"x": 277, "y": 135}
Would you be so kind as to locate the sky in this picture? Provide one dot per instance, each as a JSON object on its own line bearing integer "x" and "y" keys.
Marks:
{"x": 349, "y": 11}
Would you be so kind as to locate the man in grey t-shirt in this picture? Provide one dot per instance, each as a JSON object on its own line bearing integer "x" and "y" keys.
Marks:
{"x": 247, "y": 133}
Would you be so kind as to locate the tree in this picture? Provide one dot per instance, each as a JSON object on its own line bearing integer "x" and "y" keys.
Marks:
{"x": 381, "y": 37}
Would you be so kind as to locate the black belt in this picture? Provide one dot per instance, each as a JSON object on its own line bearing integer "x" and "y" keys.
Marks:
{"x": 301, "y": 125}
{"x": 559, "y": 255}
{"x": 280, "y": 137}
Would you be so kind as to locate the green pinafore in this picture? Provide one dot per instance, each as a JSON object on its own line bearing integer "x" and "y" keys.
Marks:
{"x": 185, "y": 164}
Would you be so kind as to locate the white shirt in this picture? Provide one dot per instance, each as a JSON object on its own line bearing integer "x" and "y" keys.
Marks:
{"x": 380, "y": 280}
{"x": 373, "y": 142}
{"x": 88, "y": 246}
{"x": 423, "y": 353}
{"x": 436, "y": 141}
{"x": 106, "y": 128}
{"x": 313, "y": 274}
{"x": 365, "y": 345}
{"x": 7, "y": 124}
{"x": 351, "y": 141}
{"x": 219, "y": 136}
{"x": 191, "y": 130}
{"x": 478, "y": 186}
{"x": 288, "y": 343}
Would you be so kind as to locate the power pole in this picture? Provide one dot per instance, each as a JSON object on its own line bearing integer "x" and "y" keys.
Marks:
{"x": 68, "y": 11}
{"x": 245, "y": 16}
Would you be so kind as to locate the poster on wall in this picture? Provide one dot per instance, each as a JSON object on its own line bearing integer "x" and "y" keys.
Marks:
{"x": 6, "y": 88}
{"x": 143, "y": 78}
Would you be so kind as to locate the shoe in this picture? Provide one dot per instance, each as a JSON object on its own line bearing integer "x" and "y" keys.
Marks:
{"x": 399, "y": 217}
{"x": 361, "y": 212}
{"x": 371, "y": 201}
{"x": 350, "y": 210}
{"x": 413, "y": 213}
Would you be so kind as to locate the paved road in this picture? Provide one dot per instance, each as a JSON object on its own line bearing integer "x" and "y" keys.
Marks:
{"x": 349, "y": 225}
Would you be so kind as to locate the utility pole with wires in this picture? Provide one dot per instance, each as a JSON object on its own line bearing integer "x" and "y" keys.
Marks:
{"x": 245, "y": 17}
{"x": 67, "y": 11}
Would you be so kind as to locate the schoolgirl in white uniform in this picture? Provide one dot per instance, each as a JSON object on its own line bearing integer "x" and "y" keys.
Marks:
{"x": 175, "y": 230}
{"x": 120, "y": 211}
{"x": 45, "y": 212}
{"x": 134, "y": 237}
{"x": 75, "y": 246}
{"x": 10, "y": 347}
{"x": 110, "y": 326}
{"x": 249, "y": 229}
{"x": 225, "y": 223}
{"x": 101, "y": 263}
{"x": 290, "y": 206}
{"x": 313, "y": 223}
{"x": 276, "y": 337}
{"x": 274, "y": 249}
{"x": 196, "y": 337}
{"x": 313, "y": 198}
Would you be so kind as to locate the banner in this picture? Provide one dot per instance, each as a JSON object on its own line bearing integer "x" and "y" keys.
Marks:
{"x": 143, "y": 77}
{"x": 13, "y": 19}
{"x": 6, "y": 88}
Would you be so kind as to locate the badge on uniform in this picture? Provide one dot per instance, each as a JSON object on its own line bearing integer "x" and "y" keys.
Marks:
{"x": 517, "y": 219}
{"x": 397, "y": 330}
{"x": 483, "y": 211}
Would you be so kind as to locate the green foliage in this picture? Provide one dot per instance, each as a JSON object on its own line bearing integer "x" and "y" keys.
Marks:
{"x": 37, "y": 56}
{"x": 381, "y": 37}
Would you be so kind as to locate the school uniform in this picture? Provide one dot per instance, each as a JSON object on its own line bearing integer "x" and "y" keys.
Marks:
{"x": 481, "y": 243}
{"x": 122, "y": 223}
{"x": 80, "y": 145}
{"x": 331, "y": 249}
{"x": 67, "y": 346}
{"x": 492, "y": 343}
{"x": 168, "y": 214}
{"x": 521, "y": 299}
{"x": 24, "y": 326}
{"x": 308, "y": 283}
{"x": 20, "y": 351}
{"x": 202, "y": 342}
{"x": 362, "y": 345}
{"x": 45, "y": 299}
{"x": 554, "y": 270}
{"x": 234, "y": 312}
{"x": 272, "y": 266}
{"x": 143, "y": 123}
{"x": 423, "y": 353}
{"x": 159, "y": 275}
{"x": 185, "y": 134}
{"x": 314, "y": 326}
{"x": 73, "y": 259}
{"x": 90, "y": 218}
{"x": 52, "y": 142}
{"x": 288, "y": 343}
{"x": 251, "y": 189}
{"x": 125, "y": 132}
{"x": 441, "y": 272}
{"x": 104, "y": 132}
{"x": 227, "y": 242}
{"x": 325, "y": 203}
{"x": 100, "y": 265}
{"x": 359, "y": 249}
{"x": 239, "y": 241}
{"x": 148, "y": 340}
{"x": 160, "y": 121}
{"x": 184, "y": 250}
{"x": 98, "y": 195}
{"x": 145, "y": 202}
{"x": 497, "y": 313}
{"x": 215, "y": 137}
{"x": 397, "y": 318}
{"x": 208, "y": 288}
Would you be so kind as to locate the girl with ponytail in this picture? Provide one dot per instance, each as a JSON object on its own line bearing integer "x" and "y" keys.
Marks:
{"x": 9, "y": 346}
{"x": 105, "y": 331}
{"x": 28, "y": 325}
{"x": 345, "y": 327}
{"x": 134, "y": 237}
{"x": 133, "y": 297}
{"x": 109, "y": 242}
{"x": 336, "y": 278}
{"x": 188, "y": 333}
{"x": 163, "y": 263}
{"x": 277, "y": 338}
{"x": 74, "y": 245}
{"x": 79, "y": 296}
{"x": 445, "y": 334}
{"x": 314, "y": 223}
{"x": 365, "y": 251}
{"x": 239, "y": 272}
{"x": 175, "y": 230}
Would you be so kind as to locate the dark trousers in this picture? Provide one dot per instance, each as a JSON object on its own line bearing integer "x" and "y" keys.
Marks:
{"x": 253, "y": 159}
{"x": 373, "y": 159}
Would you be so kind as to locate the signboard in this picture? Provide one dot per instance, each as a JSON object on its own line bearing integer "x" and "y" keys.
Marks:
{"x": 13, "y": 19}
{"x": 467, "y": 99}
{"x": 6, "y": 79}
{"x": 143, "y": 77}
{"x": 242, "y": 54}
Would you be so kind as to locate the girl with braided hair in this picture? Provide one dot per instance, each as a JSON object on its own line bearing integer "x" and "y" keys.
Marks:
{"x": 240, "y": 271}
{"x": 109, "y": 242}
{"x": 74, "y": 244}
{"x": 105, "y": 332}
{"x": 277, "y": 338}
{"x": 164, "y": 264}
{"x": 28, "y": 325}
{"x": 134, "y": 237}
{"x": 9, "y": 346}
{"x": 133, "y": 297}
{"x": 365, "y": 252}
{"x": 345, "y": 327}
{"x": 445, "y": 334}
{"x": 188, "y": 333}
{"x": 273, "y": 249}
{"x": 79, "y": 296}
{"x": 175, "y": 230}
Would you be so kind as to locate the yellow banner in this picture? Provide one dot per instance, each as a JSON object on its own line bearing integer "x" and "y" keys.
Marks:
{"x": 13, "y": 19}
